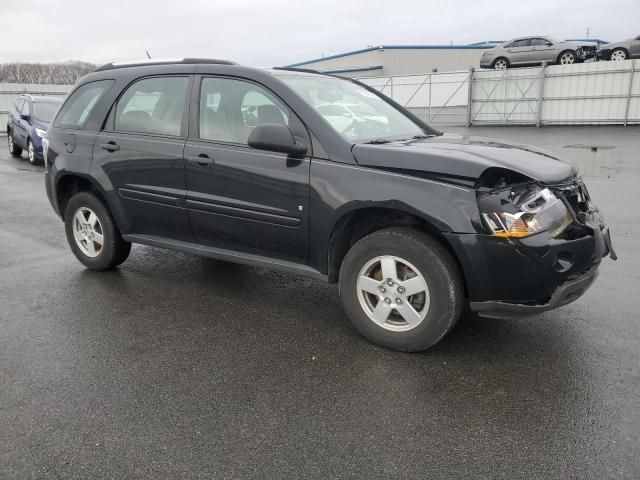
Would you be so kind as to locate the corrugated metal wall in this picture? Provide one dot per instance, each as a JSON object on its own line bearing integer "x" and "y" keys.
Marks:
{"x": 10, "y": 91}
{"x": 588, "y": 93}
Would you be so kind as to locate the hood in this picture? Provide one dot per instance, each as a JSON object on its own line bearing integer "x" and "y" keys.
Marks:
{"x": 465, "y": 157}
{"x": 38, "y": 123}
{"x": 579, "y": 44}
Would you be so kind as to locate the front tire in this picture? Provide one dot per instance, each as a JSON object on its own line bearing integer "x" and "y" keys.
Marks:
{"x": 92, "y": 234}
{"x": 567, "y": 57}
{"x": 31, "y": 153}
{"x": 14, "y": 150}
{"x": 619, "y": 54}
{"x": 401, "y": 289}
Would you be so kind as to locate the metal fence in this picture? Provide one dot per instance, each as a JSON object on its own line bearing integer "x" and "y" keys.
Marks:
{"x": 588, "y": 93}
{"x": 435, "y": 97}
{"x": 10, "y": 91}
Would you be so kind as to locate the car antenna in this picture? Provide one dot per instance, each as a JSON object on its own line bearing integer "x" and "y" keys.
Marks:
{"x": 148, "y": 56}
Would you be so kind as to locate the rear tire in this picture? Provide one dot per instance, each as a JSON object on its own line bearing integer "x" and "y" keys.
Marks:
{"x": 501, "y": 64}
{"x": 92, "y": 234}
{"x": 14, "y": 150}
{"x": 619, "y": 54}
{"x": 386, "y": 310}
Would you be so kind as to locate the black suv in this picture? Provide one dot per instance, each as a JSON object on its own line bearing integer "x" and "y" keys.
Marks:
{"x": 263, "y": 167}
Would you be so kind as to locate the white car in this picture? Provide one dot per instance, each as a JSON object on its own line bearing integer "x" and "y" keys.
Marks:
{"x": 342, "y": 116}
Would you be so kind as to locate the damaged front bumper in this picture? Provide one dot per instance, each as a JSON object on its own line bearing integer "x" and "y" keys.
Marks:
{"x": 511, "y": 278}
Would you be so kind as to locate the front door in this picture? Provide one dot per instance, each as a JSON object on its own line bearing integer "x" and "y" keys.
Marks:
{"x": 140, "y": 153}
{"x": 242, "y": 198}
{"x": 542, "y": 52}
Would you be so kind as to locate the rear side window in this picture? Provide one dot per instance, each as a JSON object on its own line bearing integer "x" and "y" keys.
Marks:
{"x": 76, "y": 110}
{"x": 153, "y": 105}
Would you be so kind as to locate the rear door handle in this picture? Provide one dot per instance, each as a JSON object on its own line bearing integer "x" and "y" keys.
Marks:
{"x": 202, "y": 160}
{"x": 110, "y": 146}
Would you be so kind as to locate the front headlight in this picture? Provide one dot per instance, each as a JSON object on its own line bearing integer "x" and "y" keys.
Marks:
{"x": 526, "y": 212}
{"x": 40, "y": 132}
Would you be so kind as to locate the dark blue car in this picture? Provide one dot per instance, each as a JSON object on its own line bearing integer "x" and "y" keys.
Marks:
{"x": 28, "y": 121}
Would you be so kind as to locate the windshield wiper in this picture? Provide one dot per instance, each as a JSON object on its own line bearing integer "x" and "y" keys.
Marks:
{"x": 378, "y": 141}
{"x": 419, "y": 137}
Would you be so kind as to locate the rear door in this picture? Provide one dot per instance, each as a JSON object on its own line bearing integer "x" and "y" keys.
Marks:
{"x": 520, "y": 52}
{"x": 22, "y": 125}
{"x": 242, "y": 198}
{"x": 140, "y": 154}
{"x": 14, "y": 119}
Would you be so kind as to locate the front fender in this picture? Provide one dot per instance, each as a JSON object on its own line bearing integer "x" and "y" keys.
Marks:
{"x": 338, "y": 189}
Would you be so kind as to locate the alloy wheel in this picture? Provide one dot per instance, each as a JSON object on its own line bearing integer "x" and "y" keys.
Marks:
{"x": 31, "y": 153}
{"x": 500, "y": 65}
{"x": 88, "y": 232}
{"x": 393, "y": 293}
{"x": 567, "y": 58}
{"x": 618, "y": 55}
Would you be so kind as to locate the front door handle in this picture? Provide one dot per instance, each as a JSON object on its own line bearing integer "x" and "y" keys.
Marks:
{"x": 110, "y": 146}
{"x": 202, "y": 160}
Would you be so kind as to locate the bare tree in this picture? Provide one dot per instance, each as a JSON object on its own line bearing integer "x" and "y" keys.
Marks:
{"x": 45, "y": 73}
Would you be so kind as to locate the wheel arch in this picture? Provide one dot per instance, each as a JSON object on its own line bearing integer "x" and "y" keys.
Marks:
{"x": 360, "y": 222}
{"x": 502, "y": 57}
{"x": 626, "y": 51}
{"x": 67, "y": 185}
{"x": 575, "y": 54}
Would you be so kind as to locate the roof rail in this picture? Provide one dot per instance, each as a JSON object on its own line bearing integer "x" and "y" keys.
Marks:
{"x": 162, "y": 61}
{"x": 294, "y": 69}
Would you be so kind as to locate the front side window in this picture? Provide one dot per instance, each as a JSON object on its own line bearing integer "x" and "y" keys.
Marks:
{"x": 44, "y": 111}
{"x": 230, "y": 109}
{"x": 25, "y": 108}
{"x": 353, "y": 111}
{"x": 19, "y": 103}
{"x": 153, "y": 105}
{"x": 521, "y": 43}
{"x": 76, "y": 110}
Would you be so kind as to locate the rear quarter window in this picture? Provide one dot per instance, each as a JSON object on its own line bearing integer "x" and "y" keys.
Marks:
{"x": 77, "y": 109}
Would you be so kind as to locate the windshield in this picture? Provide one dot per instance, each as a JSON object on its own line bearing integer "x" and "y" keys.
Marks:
{"x": 357, "y": 114}
{"x": 44, "y": 111}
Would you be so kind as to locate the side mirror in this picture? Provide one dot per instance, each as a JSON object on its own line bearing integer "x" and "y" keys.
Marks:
{"x": 276, "y": 137}
{"x": 24, "y": 116}
{"x": 638, "y": 37}
{"x": 548, "y": 44}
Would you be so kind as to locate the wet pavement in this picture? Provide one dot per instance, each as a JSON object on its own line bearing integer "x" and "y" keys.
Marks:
{"x": 175, "y": 366}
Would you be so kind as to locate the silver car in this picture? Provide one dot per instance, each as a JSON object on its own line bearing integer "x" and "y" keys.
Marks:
{"x": 623, "y": 50}
{"x": 535, "y": 50}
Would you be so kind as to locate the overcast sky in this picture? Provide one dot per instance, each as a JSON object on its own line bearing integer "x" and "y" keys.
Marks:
{"x": 278, "y": 32}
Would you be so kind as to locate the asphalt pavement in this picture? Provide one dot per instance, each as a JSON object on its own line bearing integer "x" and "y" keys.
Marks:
{"x": 176, "y": 366}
